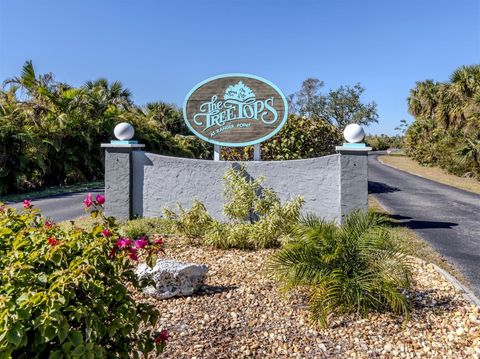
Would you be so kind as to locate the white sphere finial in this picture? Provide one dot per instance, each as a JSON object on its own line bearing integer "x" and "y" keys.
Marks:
{"x": 124, "y": 131}
{"x": 353, "y": 133}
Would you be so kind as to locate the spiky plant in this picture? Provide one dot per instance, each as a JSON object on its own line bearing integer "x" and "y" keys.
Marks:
{"x": 356, "y": 267}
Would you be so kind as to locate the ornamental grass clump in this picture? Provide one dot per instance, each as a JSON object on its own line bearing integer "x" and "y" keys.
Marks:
{"x": 257, "y": 218}
{"x": 63, "y": 292}
{"x": 353, "y": 268}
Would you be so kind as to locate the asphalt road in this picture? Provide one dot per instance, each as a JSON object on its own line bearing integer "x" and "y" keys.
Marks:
{"x": 446, "y": 217}
{"x": 61, "y": 207}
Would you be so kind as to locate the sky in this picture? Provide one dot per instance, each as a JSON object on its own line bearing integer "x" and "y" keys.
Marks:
{"x": 161, "y": 49}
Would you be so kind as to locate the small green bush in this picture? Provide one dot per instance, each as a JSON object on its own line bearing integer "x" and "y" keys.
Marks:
{"x": 63, "y": 292}
{"x": 190, "y": 223}
{"x": 258, "y": 218}
{"x": 383, "y": 142}
{"x": 357, "y": 267}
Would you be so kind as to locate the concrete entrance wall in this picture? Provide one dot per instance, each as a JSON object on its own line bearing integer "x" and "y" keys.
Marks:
{"x": 139, "y": 183}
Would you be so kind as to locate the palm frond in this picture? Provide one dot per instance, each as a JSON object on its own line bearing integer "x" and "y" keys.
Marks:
{"x": 356, "y": 267}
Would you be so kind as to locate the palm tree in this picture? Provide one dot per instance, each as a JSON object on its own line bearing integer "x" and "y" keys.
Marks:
{"x": 167, "y": 116}
{"x": 423, "y": 99}
{"x": 467, "y": 80}
{"x": 106, "y": 93}
{"x": 469, "y": 153}
{"x": 353, "y": 268}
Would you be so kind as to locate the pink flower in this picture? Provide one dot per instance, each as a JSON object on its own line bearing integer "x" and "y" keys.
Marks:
{"x": 133, "y": 254}
{"x": 52, "y": 241}
{"x": 112, "y": 253}
{"x": 124, "y": 242}
{"x": 100, "y": 199}
{"x": 141, "y": 243}
{"x": 158, "y": 242}
{"x": 87, "y": 202}
{"x": 161, "y": 336}
{"x": 27, "y": 204}
{"x": 48, "y": 224}
{"x": 106, "y": 232}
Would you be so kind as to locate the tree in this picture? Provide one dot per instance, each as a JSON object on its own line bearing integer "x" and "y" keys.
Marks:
{"x": 343, "y": 106}
{"x": 339, "y": 107}
{"x": 50, "y": 131}
{"x": 308, "y": 102}
{"x": 446, "y": 130}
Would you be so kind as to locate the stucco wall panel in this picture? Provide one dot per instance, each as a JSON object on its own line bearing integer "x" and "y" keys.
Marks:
{"x": 162, "y": 181}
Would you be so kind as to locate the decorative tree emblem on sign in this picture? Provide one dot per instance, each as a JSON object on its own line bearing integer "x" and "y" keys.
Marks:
{"x": 235, "y": 110}
{"x": 238, "y": 92}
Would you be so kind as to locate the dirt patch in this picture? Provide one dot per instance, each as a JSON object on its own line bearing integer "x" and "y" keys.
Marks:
{"x": 436, "y": 174}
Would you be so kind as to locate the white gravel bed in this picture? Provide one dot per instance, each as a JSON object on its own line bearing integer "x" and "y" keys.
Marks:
{"x": 241, "y": 314}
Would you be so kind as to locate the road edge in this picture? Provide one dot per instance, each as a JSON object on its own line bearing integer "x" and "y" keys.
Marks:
{"x": 466, "y": 292}
{"x": 426, "y": 178}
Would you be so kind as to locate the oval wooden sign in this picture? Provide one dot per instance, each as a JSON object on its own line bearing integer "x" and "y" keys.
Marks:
{"x": 235, "y": 110}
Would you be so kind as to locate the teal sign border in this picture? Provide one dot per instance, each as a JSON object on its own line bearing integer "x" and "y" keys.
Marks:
{"x": 242, "y": 144}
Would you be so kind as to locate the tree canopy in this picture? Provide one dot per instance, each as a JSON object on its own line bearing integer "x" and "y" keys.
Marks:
{"x": 338, "y": 107}
{"x": 446, "y": 130}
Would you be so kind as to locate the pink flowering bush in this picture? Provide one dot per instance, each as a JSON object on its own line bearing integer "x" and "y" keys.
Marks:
{"x": 63, "y": 292}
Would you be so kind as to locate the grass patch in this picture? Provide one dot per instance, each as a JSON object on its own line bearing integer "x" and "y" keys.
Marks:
{"x": 436, "y": 174}
{"x": 415, "y": 245}
{"x": 50, "y": 191}
{"x": 85, "y": 222}
{"x": 147, "y": 226}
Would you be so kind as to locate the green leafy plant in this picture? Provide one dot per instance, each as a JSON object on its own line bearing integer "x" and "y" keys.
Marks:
{"x": 50, "y": 132}
{"x": 301, "y": 137}
{"x": 356, "y": 267}
{"x": 257, "y": 217}
{"x": 193, "y": 222}
{"x": 446, "y": 130}
{"x": 63, "y": 293}
{"x": 150, "y": 227}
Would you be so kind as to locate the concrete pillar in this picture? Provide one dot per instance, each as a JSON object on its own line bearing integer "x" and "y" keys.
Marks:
{"x": 118, "y": 179}
{"x": 353, "y": 182}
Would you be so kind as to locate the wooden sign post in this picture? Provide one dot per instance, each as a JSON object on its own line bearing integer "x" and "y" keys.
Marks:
{"x": 235, "y": 110}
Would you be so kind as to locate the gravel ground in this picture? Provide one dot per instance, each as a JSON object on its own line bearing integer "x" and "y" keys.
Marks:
{"x": 241, "y": 314}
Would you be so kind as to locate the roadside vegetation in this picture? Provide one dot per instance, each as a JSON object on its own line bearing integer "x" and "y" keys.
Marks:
{"x": 383, "y": 142}
{"x": 446, "y": 130}
{"x": 50, "y": 132}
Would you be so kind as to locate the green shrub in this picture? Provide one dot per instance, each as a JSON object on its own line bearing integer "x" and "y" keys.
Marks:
{"x": 446, "y": 130}
{"x": 63, "y": 293}
{"x": 192, "y": 223}
{"x": 51, "y": 132}
{"x": 383, "y": 142}
{"x": 301, "y": 137}
{"x": 356, "y": 267}
{"x": 258, "y": 218}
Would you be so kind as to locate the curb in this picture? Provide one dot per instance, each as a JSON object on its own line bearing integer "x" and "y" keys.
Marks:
{"x": 466, "y": 293}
